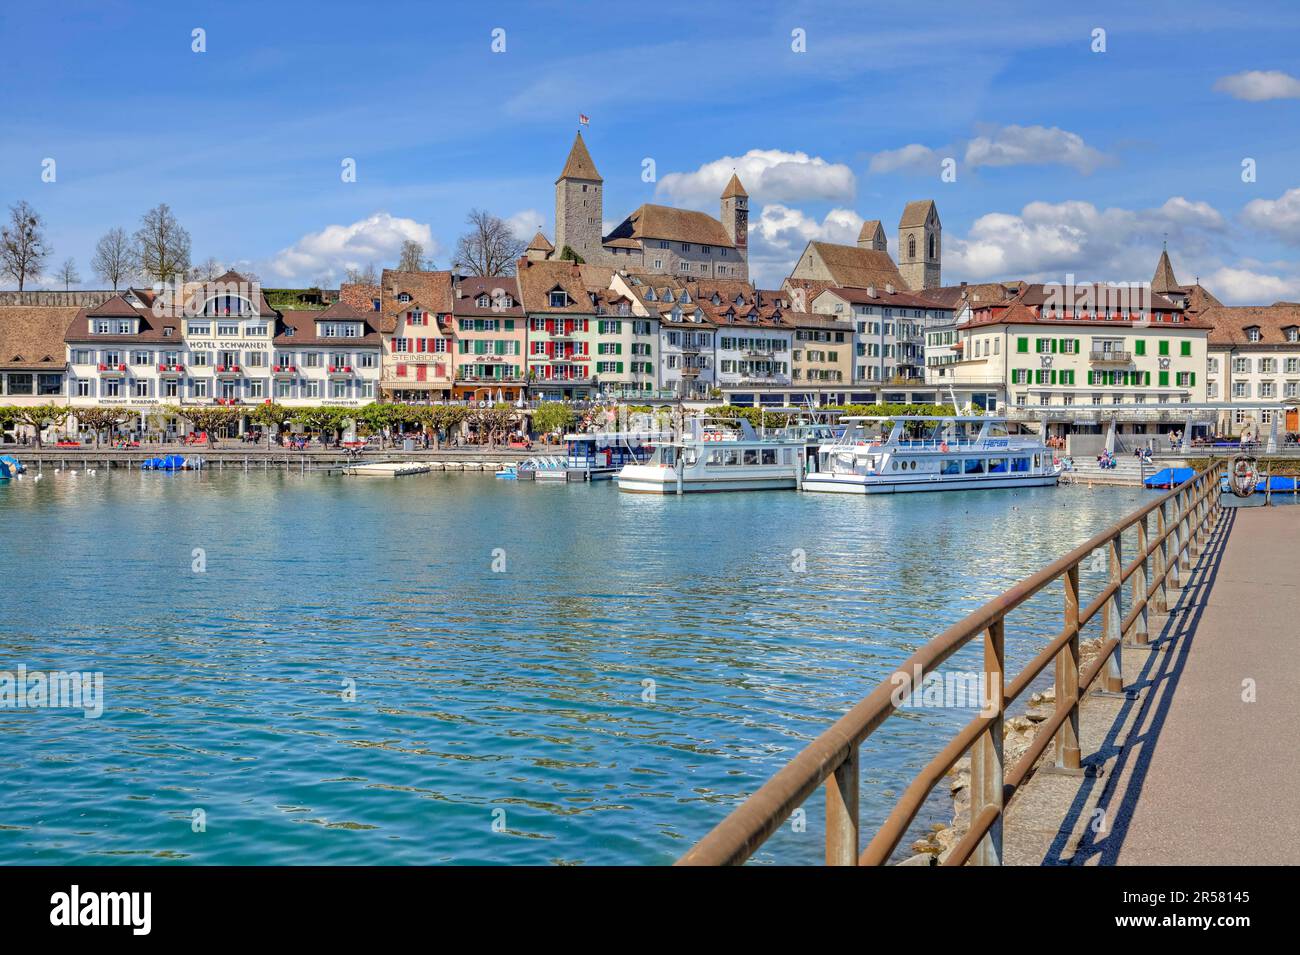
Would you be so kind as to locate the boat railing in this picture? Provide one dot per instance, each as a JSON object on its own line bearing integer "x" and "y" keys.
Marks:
{"x": 1183, "y": 519}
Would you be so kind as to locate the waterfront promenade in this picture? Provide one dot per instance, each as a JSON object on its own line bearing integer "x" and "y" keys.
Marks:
{"x": 1197, "y": 766}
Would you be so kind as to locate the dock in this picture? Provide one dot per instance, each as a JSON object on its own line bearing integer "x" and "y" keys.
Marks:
{"x": 1170, "y": 742}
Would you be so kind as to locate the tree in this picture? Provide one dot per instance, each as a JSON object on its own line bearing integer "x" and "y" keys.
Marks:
{"x": 23, "y": 249}
{"x": 114, "y": 258}
{"x": 364, "y": 276}
{"x": 412, "y": 259}
{"x": 273, "y": 418}
{"x": 552, "y": 416}
{"x": 68, "y": 273}
{"x": 206, "y": 418}
{"x": 99, "y": 419}
{"x": 489, "y": 248}
{"x": 38, "y": 417}
{"x": 207, "y": 270}
{"x": 162, "y": 247}
{"x": 568, "y": 255}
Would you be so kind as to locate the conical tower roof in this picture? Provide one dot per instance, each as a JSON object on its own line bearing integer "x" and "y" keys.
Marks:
{"x": 734, "y": 188}
{"x": 579, "y": 165}
{"x": 1164, "y": 280}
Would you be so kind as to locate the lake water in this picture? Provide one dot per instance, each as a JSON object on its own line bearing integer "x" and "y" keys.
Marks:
{"x": 499, "y": 638}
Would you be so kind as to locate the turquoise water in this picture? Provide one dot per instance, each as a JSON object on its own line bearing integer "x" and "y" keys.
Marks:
{"x": 499, "y": 717}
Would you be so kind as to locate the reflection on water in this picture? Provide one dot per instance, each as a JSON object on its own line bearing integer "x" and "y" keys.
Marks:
{"x": 349, "y": 681}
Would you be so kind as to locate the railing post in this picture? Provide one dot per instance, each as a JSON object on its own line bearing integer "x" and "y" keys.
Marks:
{"x": 1112, "y": 619}
{"x": 986, "y": 762}
{"x": 1067, "y": 677}
{"x": 1162, "y": 559}
{"x": 1140, "y": 635}
{"x": 842, "y": 812}
{"x": 1184, "y": 533}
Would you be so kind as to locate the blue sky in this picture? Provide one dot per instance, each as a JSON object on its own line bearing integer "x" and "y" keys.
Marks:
{"x": 1067, "y": 160}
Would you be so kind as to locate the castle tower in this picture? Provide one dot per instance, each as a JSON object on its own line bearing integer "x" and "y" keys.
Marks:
{"x": 919, "y": 245}
{"x": 872, "y": 236}
{"x": 1164, "y": 281}
{"x": 735, "y": 219}
{"x": 578, "y": 205}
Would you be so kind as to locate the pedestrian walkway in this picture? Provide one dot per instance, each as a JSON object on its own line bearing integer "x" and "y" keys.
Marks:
{"x": 1198, "y": 766}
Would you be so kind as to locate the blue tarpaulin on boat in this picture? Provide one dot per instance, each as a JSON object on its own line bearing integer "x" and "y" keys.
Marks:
{"x": 171, "y": 462}
{"x": 10, "y": 465}
{"x": 1169, "y": 477}
{"x": 1276, "y": 483}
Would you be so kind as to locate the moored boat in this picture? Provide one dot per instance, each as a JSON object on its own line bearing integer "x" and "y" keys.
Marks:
{"x": 717, "y": 455}
{"x": 931, "y": 453}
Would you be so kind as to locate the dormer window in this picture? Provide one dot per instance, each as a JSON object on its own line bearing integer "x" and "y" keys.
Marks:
{"x": 1293, "y": 334}
{"x": 404, "y": 297}
{"x": 167, "y": 333}
{"x": 1252, "y": 333}
{"x": 559, "y": 300}
{"x": 483, "y": 301}
{"x": 374, "y": 304}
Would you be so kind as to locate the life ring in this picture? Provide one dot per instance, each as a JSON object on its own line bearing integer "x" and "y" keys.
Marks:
{"x": 943, "y": 447}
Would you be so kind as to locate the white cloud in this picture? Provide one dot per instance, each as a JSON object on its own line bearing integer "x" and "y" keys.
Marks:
{"x": 1259, "y": 85}
{"x": 1032, "y": 146}
{"x": 1048, "y": 240}
{"x": 911, "y": 158}
{"x": 336, "y": 248}
{"x": 526, "y": 223}
{"x": 768, "y": 175}
{"x": 1242, "y": 286}
{"x": 779, "y": 234}
{"x": 1279, "y": 217}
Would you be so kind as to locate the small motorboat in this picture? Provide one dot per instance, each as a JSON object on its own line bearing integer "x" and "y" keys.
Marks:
{"x": 172, "y": 462}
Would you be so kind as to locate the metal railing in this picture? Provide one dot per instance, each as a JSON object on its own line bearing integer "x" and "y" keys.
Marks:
{"x": 1184, "y": 518}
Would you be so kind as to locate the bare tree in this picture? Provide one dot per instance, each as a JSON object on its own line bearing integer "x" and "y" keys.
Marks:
{"x": 114, "y": 258}
{"x": 489, "y": 248}
{"x": 207, "y": 270}
{"x": 23, "y": 249}
{"x": 412, "y": 259}
{"x": 364, "y": 276}
{"x": 68, "y": 273}
{"x": 162, "y": 246}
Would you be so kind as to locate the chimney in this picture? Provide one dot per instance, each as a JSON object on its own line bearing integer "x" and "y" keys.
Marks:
{"x": 871, "y": 291}
{"x": 963, "y": 284}
{"x": 889, "y": 288}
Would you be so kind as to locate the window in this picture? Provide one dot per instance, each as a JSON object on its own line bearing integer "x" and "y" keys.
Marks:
{"x": 83, "y": 388}
{"x": 559, "y": 299}
{"x": 1185, "y": 349}
{"x": 1252, "y": 334}
{"x": 1164, "y": 347}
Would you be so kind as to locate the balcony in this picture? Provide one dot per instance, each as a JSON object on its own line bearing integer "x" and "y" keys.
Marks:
{"x": 229, "y": 371}
{"x": 690, "y": 372}
{"x": 1114, "y": 356}
{"x": 340, "y": 371}
{"x": 227, "y": 401}
{"x": 112, "y": 370}
{"x": 284, "y": 371}
{"x": 171, "y": 370}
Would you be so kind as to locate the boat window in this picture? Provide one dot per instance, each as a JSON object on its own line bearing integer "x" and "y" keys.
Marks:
{"x": 1036, "y": 461}
{"x": 785, "y": 456}
{"x": 666, "y": 455}
{"x": 769, "y": 455}
{"x": 998, "y": 466}
{"x": 689, "y": 457}
{"x": 751, "y": 455}
{"x": 911, "y": 465}
{"x": 731, "y": 456}
{"x": 714, "y": 460}
{"x": 950, "y": 466}
{"x": 893, "y": 465}
{"x": 1019, "y": 464}
{"x": 974, "y": 465}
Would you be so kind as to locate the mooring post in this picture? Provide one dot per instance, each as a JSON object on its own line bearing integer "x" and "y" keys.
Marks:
{"x": 987, "y": 769}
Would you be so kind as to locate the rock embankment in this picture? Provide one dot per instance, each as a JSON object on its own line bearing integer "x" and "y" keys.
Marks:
{"x": 1018, "y": 732}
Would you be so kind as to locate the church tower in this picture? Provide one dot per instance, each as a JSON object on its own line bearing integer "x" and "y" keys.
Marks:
{"x": 919, "y": 245}
{"x": 579, "y": 207}
{"x": 872, "y": 236}
{"x": 735, "y": 219}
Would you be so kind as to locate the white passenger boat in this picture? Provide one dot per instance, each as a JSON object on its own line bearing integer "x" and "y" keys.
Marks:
{"x": 931, "y": 453}
{"x": 717, "y": 454}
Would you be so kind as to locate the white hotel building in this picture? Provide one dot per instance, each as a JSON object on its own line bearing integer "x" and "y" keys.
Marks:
{"x": 224, "y": 345}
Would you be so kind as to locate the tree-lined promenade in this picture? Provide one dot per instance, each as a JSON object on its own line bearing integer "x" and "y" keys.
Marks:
{"x": 381, "y": 423}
